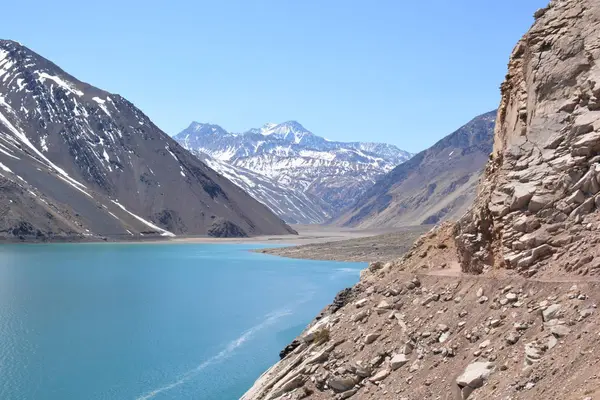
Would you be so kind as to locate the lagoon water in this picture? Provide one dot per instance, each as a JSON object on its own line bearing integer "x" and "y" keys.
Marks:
{"x": 142, "y": 321}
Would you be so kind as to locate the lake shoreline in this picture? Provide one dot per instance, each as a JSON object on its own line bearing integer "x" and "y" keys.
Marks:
{"x": 313, "y": 242}
{"x": 307, "y": 234}
{"x": 369, "y": 248}
{"x": 134, "y": 321}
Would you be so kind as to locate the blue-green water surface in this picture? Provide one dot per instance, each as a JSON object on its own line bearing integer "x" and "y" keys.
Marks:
{"x": 144, "y": 321}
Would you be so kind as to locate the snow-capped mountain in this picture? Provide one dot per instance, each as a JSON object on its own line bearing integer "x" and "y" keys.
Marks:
{"x": 295, "y": 158}
{"x": 78, "y": 161}
{"x": 291, "y": 205}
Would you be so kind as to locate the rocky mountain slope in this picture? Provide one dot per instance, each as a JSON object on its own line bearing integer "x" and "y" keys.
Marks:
{"x": 501, "y": 304}
{"x": 293, "y": 206}
{"x": 296, "y": 159}
{"x": 76, "y": 161}
{"x": 438, "y": 183}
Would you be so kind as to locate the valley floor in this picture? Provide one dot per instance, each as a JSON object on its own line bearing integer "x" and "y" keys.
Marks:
{"x": 338, "y": 244}
{"x": 315, "y": 242}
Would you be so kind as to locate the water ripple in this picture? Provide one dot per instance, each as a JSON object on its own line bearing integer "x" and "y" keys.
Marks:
{"x": 222, "y": 355}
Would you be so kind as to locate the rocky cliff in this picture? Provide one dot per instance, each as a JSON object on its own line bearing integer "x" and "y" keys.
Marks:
{"x": 501, "y": 304}
{"x": 537, "y": 206}
{"x": 78, "y": 162}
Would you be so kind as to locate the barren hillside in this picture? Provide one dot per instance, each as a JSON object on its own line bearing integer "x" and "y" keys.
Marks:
{"x": 502, "y": 304}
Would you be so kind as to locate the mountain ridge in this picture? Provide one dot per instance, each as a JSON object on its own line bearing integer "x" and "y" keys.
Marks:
{"x": 435, "y": 184}
{"x": 297, "y": 159}
{"x": 79, "y": 161}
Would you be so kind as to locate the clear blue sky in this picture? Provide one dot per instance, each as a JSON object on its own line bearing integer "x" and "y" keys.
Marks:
{"x": 404, "y": 72}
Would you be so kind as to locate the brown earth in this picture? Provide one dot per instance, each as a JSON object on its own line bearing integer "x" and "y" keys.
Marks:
{"x": 503, "y": 303}
{"x": 367, "y": 248}
{"x": 411, "y": 327}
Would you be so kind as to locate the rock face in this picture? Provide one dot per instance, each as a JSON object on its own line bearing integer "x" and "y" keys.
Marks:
{"x": 447, "y": 334}
{"x": 78, "y": 162}
{"x": 541, "y": 189}
{"x": 326, "y": 175}
{"x": 436, "y": 184}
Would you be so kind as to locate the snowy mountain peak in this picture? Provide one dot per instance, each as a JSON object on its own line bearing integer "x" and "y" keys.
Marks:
{"x": 206, "y": 129}
{"x": 290, "y": 131}
{"x": 267, "y": 128}
{"x": 293, "y": 157}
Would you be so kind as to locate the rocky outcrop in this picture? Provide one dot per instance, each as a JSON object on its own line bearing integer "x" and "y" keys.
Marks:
{"x": 501, "y": 304}
{"x": 542, "y": 186}
{"x": 225, "y": 229}
{"x": 435, "y": 185}
{"x": 438, "y": 333}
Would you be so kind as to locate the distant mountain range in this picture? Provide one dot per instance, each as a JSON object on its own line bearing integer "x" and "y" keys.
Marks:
{"x": 313, "y": 177}
{"x": 76, "y": 161}
{"x": 436, "y": 184}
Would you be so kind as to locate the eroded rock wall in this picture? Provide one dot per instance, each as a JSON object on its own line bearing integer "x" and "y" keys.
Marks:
{"x": 541, "y": 185}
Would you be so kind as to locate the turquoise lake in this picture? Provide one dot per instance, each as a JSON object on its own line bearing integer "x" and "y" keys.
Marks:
{"x": 143, "y": 321}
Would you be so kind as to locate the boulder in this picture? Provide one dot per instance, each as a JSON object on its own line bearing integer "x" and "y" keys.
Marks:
{"x": 359, "y": 316}
{"x": 538, "y": 202}
{"x": 495, "y": 323}
{"x": 541, "y": 251}
{"x": 584, "y": 208}
{"x": 511, "y": 297}
{"x": 398, "y": 361}
{"x": 375, "y": 266}
{"x": 512, "y": 338}
{"x": 586, "y": 312}
{"x": 551, "y": 312}
{"x": 551, "y": 342}
{"x": 532, "y": 354}
{"x": 474, "y": 376}
{"x": 533, "y": 239}
{"x": 444, "y": 336}
{"x": 361, "y": 303}
{"x": 380, "y": 376}
{"x": 294, "y": 383}
{"x": 407, "y": 348}
{"x": 429, "y": 299}
{"x": 319, "y": 357}
{"x": 576, "y": 198}
{"x": 588, "y": 140}
{"x": 560, "y": 330}
{"x": 383, "y": 307}
{"x": 341, "y": 384}
{"x": 371, "y": 337}
{"x": 521, "y": 196}
{"x": 362, "y": 371}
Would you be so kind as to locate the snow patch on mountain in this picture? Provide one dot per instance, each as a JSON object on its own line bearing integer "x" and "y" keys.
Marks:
{"x": 293, "y": 158}
{"x": 291, "y": 205}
